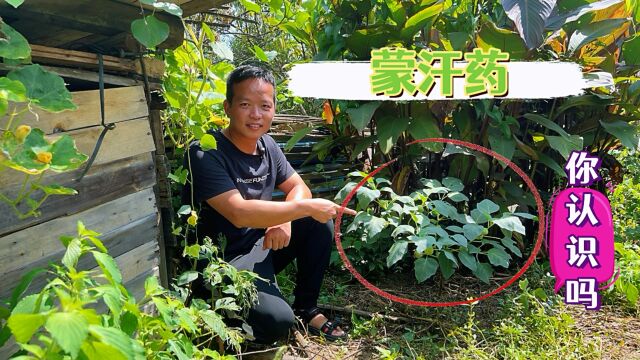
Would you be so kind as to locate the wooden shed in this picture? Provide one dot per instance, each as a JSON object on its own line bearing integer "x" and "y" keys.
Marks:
{"x": 119, "y": 196}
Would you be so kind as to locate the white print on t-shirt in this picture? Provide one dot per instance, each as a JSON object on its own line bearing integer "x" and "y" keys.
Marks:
{"x": 252, "y": 180}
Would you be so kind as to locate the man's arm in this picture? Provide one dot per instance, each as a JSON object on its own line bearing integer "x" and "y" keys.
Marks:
{"x": 278, "y": 236}
{"x": 263, "y": 214}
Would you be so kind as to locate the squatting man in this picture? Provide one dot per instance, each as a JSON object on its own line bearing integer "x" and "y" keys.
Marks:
{"x": 233, "y": 184}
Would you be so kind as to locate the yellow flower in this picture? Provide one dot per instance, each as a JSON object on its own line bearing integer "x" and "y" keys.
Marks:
{"x": 44, "y": 157}
{"x": 193, "y": 219}
{"x": 22, "y": 131}
{"x": 218, "y": 120}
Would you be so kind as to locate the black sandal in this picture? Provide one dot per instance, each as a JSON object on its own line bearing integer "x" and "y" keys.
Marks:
{"x": 326, "y": 330}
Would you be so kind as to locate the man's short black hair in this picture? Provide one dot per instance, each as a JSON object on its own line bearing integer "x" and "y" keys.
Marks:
{"x": 245, "y": 72}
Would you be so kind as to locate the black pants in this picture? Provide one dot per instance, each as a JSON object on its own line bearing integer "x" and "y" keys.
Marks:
{"x": 272, "y": 317}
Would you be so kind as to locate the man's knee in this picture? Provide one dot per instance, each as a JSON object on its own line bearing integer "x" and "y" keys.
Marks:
{"x": 271, "y": 321}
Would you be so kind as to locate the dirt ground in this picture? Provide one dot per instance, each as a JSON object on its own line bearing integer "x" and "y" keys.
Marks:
{"x": 617, "y": 333}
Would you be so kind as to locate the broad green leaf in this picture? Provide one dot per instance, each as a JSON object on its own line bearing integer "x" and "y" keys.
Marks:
{"x": 12, "y": 90}
{"x": 25, "y": 281}
{"x": 208, "y": 142}
{"x": 150, "y": 31}
{"x": 389, "y": 129}
{"x": 97, "y": 350}
{"x": 425, "y": 268}
{"x": 215, "y": 323}
{"x": 168, "y": 7}
{"x": 511, "y": 245}
{"x": 584, "y": 35}
{"x": 631, "y": 51}
{"x": 498, "y": 257}
{"x": 71, "y": 256}
{"x": 65, "y": 155}
{"x": 446, "y": 265}
{"x": 69, "y": 330}
{"x": 457, "y": 196}
{"x": 342, "y": 194}
{"x": 115, "y": 338}
{"x": 192, "y": 251}
{"x": 490, "y": 36}
{"x": 361, "y": 146}
{"x": 423, "y": 243}
{"x": 129, "y": 322}
{"x": 460, "y": 239}
{"x": 444, "y": 208}
{"x": 625, "y": 132}
{"x": 631, "y": 291}
{"x": 361, "y": 115}
{"x": 511, "y": 223}
{"x": 552, "y": 164}
{"x": 483, "y": 271}
{"x": 222, "y": 50}
{"x": 467, "y": 259}
{"x": 454, "y": 184}
{"x": 14, "y": 3}
{"x": 45, "y": 89}
{"x": 397, "y": 251}
{"x": 251, "y": 6}
{"x": 55, "y": 189}
{"x": 366, "y": 196}
{"x": 547, "y": 123}
{"x": 423, "y": 126}
{"x": 29, "y": 305}
{"x": 565, "y": 145}
{"x": 24, "y": 326}
{"x": 403, "y": 229}
{"x": 260, "y": 53}
{"x": 451, "y": 149}
{"x": 505, "y": 146}
{"x": 298, "y": 136}
{"x": 487, "y": 206}
{"x": 421, "y": 19}
{"x": 187, "y": 277}
{"x": 480, "y": 217}
{"x": 184, "y": 210}
{"x": 208, "y": 32}
{"x": 557, "y": 21}
{"x": 108, "y": 266}
{"x": 12, "y": 44}
{"x": 4, "y": 105}
{"x": 590, "y": 100}
{"x": 472, "y": 231}
{"x": 529, "y": 17}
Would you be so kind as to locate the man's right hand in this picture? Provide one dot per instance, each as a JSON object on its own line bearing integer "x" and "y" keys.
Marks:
{"x": 323, "y": 210}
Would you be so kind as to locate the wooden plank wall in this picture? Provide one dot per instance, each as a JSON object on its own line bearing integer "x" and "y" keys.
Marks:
{"x": 115, "y": 198}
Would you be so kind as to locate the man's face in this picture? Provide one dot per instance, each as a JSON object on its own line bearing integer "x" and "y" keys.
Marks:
{"x": 251, "y": 109}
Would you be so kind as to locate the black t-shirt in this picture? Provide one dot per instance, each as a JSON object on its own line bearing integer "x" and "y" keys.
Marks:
{"x": 227, "y": 168}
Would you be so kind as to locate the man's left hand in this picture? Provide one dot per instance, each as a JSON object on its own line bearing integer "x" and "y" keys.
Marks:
{"x": 277, "y": 237}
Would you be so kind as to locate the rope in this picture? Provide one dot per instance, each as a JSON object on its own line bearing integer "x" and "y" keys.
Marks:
{"x": 105, "y": 127}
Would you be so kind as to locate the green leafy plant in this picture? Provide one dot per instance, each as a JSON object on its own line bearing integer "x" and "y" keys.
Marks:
{"x": 22, "y": 148}
{"x": 627, "y": 285}
{"x": 428, "y": 224}
{"x": 62, "y": 320}
{"x": 531, "y": 328}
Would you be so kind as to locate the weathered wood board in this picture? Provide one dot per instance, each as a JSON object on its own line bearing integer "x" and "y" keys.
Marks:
{"x": 121, "y": 104}
{"x": 102, "y": 183}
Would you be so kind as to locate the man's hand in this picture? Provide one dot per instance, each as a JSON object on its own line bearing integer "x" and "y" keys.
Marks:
{"x": 323, "y": 210}
{"x": 277, "y": 237}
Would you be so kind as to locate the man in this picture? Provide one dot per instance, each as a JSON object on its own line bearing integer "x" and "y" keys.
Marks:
{"x": 234, "y": 184}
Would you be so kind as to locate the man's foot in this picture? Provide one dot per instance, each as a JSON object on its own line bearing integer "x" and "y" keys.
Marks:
{"x": 318, "y": 324}
{"x": 319, "y": 320}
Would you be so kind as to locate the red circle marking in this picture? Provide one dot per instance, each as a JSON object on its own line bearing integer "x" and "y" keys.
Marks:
{"x": 399, "y": 299}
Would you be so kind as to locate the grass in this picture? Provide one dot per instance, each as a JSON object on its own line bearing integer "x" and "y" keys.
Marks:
{"x": 524, "y": 322}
